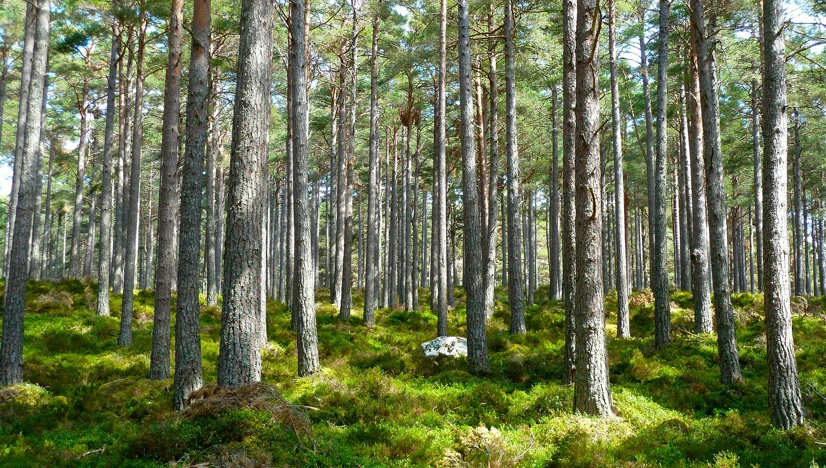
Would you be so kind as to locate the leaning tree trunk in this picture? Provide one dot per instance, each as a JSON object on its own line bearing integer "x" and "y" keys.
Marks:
{"x": 105, "y": 258}
{"x": 239, "y": 359}
{"x": 724, "y": 313}
{"x": 373, "y": 283}
{"x": 29, "y": 28}
{"x": 515, "y": 280}
{"x": 700, "y": 274}
{"x": 167, "y": 203}
{"x": 11, "y": 343}
{"x": 304, "y": 293}
{"x": 623, "y": 326}
{"x": 476, "y": 334}
{"x": 569, "y": 101}
{"x": 131, "y": 238}
{"x": 592, "y": 391}
{"x": 785, "y": 405}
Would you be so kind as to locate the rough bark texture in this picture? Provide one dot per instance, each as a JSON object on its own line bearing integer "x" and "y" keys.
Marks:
{"x": 104, "y": 261}
{"x": 11, "y": 344}
{"x": 476, "y": 333}
{"x": 159, "y": 365}
{"x": 440, "y": 211}
{"x": 623, "y": 327}
{"x": 569, "y": 45}
{"x": 239, "y": 359}
{"x": 659, "y": 271}
{"x": 758, "y": 181}
{"x": 131, "y": 219}
{"x": 516, "y": 299}
{"x": 304, "y": 292}
{"x": 592, "y": 392}
{"x": 718, "y": 247}
{"x": 372, "y": 282}
{"x": 785, "y": 404}
{"x": 700, "y": 278}
{"x": 555, "y": 270}
{"x": 188, "y": 376}
{"x": 77, "y": 211}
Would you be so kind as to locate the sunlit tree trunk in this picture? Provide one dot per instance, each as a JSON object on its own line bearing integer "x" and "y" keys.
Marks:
{"x": 569, "y": 101}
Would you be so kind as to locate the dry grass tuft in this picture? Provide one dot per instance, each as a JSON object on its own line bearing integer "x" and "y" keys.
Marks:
{"x": 212, "y": 400}
{"x": 53, "y": 301}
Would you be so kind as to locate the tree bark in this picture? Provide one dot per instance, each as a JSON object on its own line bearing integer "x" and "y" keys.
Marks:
{"x": 785, "y": 405}
{"x": 83, "y": 146}
{"x": 592, "y": 391}
{"x": 11, "y": 342}
{"x": 758, "y": 181}
{"x": 159, "y": 365}
{"x": 569, "y": 122}
{"x": 476, "y": 334}
{"x": 718, "y": 248}
{"x": 373, "y": 283}
{"x": 131, "y": 219}
{"x": 555, "y": 288}
{"x": 515, "y": 279}
{"x": 239, "y": 359}
{"x": 440, "y": 210}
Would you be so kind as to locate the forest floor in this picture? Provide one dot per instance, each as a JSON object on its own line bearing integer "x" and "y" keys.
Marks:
{"x": 379, "y": 402}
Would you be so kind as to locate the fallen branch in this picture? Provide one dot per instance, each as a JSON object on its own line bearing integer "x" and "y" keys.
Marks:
{"x": 90, "y": 452}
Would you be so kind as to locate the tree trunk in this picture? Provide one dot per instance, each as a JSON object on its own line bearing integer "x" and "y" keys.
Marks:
{"x": 373, "y": 283}
{"x": 476, "y": 334}
{"x": 758, "y": 181}
{"x": 440, "y": 167}
{"x": 29, "y": 28}
{"x": 798, "y": 208}
{"x": 90, "y": 238}
{"x": 77, "y": 212}
{"x": 569, "y": 122}
{"x": 515, "y": 279}
{"x": 724, "y": 313}
{"x": 304, "y": 293}
{"x": 592, "y": 392}
{"x": 36, "y": 261}
{"x": 11, "y": 347}
{"x": 47, "y": 245}
{"x": 623, "y": 327}
{"x": 159, "y": 365}
{"x": 555, "y": 277}
{"x": 785, "y": 405}
{"x": 341, "y": 195}
{"x": 131, "y": 238}
{"x": 213, "y": 147}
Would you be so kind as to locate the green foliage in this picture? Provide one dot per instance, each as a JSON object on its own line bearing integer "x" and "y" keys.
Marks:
{"x": 379, "y": 402}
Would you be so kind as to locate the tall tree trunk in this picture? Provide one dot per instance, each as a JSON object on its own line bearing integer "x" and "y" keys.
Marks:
{"x": 649, "y": 157}
{"x": 373, "y": 283}
{"x": 239, "y": 359}
{"x": 90, "y": 238}
{"x": 685, "y": 205}
{"x": 131, "y": 238}
{"x": 758, "y": 180}
{"x": 121, "y": 189}
{"x": 341, "y": 194}
{"x": 29, "y": 28}
{"x": 799, "y": 287}
{"x": 493, "y": 173}
{"x": 36, "y": 261}
{"x": 47, "y": 245}
{"x": 623, "y": 326}
{"x": 785, "y": 405}
{"x": 592, "y": 392}
{"x": 555, "y": 290}
{"x": 440, "y": 167}
{"x": 77, "y": 212}
{"x": 569, "y": 122}
{"x": 515, "y": 279}
{"x": 105, "y": 258}
{"x": 11, "y": 344}
{"x": 213, "y": 147}
{"x": 724, "y": 313}
{"x": 700, "y": 274}
{"x": 476, "y": 334}
{"x": 304, "y": 294}
{"x": 159, "y": 365}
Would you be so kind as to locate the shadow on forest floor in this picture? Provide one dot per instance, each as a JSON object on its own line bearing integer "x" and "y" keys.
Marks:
{"x": 379, "y": 402}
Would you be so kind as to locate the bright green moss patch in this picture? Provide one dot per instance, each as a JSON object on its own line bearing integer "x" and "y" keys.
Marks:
{"x": 378, "y": 402}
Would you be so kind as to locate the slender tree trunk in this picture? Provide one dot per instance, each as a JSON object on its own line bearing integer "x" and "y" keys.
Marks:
{"x": 686, "y": 206}
{"x": 724, "y": 313}
{"x": 47, "y": 245}
{"x": 569, "y": 122}
{"x": 515, "y": 279}
{"x": 440, "y": 166}
{"x": 476, "y": 334}
{"x": 131, "y": 238}
{"x": 758, "y": 181}
{"x": 623, "y": 327}
{"x": 77, "y": 212}
{"x": 213, "y": 147}
{"x": 36, "y": 261}
{"x": 373, "y": 283}
{"x": 121, "y": 189}
{"x": 11, "y": 344}
{"x": 29, "y": 28}
{"x": 90, "y": 237}
{"x": 592, "y": 392}
{"x": 341, "y": 195}
{"x": 555, "y": 292}
{"x": 799, "y": 288}
{"x": 159, "y": 365}
{"x": 785, "y": 405}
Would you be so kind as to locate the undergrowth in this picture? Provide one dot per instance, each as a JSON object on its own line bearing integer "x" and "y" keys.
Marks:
{"x": 379, "y": 402}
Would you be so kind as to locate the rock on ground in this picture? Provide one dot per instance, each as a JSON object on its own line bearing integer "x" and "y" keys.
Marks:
{"x": 453, "y": 346}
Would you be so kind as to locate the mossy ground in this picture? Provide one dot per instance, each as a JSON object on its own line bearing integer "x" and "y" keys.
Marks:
{"x": 379, "y": 402}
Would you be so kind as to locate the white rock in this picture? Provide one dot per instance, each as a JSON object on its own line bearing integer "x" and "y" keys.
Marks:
{"x": 453, "y": 346}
